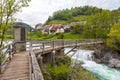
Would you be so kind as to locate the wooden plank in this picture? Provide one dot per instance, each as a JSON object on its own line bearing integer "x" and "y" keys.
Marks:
{"x": 36, "y": 69}
{"x": 18, "y": 68}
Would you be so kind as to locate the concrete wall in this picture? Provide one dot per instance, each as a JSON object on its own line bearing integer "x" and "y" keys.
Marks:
{"x": 19, "y": 45}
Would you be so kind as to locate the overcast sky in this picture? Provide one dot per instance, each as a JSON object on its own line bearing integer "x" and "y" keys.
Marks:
{"x": 40, "y": 10}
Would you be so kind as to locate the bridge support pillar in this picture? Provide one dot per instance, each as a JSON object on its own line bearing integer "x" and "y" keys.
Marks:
{"x": 49, "y": 58}
{"x": 60, "y": 52}
{"x": 40, "y": 61}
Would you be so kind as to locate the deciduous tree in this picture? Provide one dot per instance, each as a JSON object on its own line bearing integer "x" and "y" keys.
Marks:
{"x": 113, "y": 40}
{"x": 8, "y": 8}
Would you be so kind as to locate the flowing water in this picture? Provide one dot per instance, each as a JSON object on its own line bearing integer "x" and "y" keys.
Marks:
{"x": 101, "y": 71}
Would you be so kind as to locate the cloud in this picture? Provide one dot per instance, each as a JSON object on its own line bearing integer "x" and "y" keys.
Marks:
{"x": 40, "y": 10}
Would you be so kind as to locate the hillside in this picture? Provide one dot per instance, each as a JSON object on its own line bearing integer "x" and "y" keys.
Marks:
{"x": 74, "y": 14}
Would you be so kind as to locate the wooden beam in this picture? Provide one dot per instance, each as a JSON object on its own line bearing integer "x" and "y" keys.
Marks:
{"x": 36, "y": 69}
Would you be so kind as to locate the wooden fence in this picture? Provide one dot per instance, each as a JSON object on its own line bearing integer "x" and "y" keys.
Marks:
{"x": 6, "y": 54}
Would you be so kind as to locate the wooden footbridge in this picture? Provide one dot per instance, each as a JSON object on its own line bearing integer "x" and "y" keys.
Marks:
{"x": 24, "y": 65}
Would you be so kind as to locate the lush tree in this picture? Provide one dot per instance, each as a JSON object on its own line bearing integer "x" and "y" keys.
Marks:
{"x": 77, "y": 29}
{"x": 113, "y": 40}
{"x": 8, "y": 8}
{"x": 98, "y": 25}
{"x": 116, "y": 15}
{"x": 68, "y": 14}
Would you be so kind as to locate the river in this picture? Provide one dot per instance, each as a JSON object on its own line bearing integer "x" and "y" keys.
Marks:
{"x": 101, "y": 71}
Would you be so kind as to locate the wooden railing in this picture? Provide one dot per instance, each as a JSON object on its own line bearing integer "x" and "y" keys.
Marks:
{"x": 35, "y": 72}
{"x": 6, "y": 54}
{"x": 63, "y": 43}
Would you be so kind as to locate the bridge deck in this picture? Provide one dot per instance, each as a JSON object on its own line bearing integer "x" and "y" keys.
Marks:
{"x": 18, "y": 68}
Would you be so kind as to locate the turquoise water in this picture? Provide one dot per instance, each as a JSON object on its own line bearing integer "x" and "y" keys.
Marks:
{"x": 101, "y": 71}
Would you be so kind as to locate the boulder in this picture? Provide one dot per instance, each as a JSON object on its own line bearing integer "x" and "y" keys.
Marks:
{"x": 114, "y": 63}
{"x": 111, "y": 65}
{"x": 117, "y": 66}
{"x": 98, "y": 61}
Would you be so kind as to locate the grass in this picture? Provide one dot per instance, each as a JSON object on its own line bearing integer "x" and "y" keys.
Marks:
{"x": 58, "y": 22}
{"x": 72, "y": 36}
{"x": 54, "y": 37}
{"x": 80, "y": 18}
{"x": 77, "y": 18}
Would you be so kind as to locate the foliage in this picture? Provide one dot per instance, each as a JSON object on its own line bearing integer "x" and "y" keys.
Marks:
{"x": 60, "y": 36}
{"x": 60, "y": 72}
{"x": 113, "y": 40}
{"x": 80, "y": 18}
{"x": 98, "y": 25}
{"x": 57, "y": 22}
{"x": 63, "y": 60}
{"x": 78, "y": 73}
{"x": 8, "y": 8}
{"x": 77, "y": 29}
{"x": 68, "y": 14}
{"x": 93, "y": 22}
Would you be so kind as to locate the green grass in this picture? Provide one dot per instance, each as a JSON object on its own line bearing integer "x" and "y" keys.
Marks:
{"x": 54, "y": 37}
{"x": 67, "y": 36}
{"x": 77, "y": 18}
{"x": 58, "y": 22}
{"x": 80, "y": 18}
{"x": 72, "y": 36}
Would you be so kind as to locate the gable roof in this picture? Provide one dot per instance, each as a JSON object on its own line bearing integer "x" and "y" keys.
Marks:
{"x": 55, "y": 27}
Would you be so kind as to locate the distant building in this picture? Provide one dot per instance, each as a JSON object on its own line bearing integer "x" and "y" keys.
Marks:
{"x": 46, "y": 29}
{"x": 57, "y": 28}
{"x": 38, "y": 26}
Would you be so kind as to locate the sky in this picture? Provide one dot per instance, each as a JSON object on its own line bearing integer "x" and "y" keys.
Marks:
{"x": 40, "y": 10}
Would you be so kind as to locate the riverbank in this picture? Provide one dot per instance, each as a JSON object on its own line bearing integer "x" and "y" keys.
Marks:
{"x": 62, "y": 70}
{"x": 101, "y": 71}
{"x": 105, "y": 55}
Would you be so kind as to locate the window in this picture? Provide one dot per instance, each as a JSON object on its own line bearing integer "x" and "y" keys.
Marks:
{"x": 23, "y": 34}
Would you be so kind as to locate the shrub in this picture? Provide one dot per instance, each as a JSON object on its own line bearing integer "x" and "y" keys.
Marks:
{"x": 60, "y": 72}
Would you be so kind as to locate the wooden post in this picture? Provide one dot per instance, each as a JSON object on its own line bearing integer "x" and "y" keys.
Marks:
{"x": 53, "y": 57}
{"x": 53, "y": 44}
{"x": 13, "y": 49}
{"x": 0, "y": 63}
{"x": 43, "y": 45}
{"x": 76, "y": 43}
{"x": 9, "y": 52}
{"x": 63, "y": 43}
{"x": 39, "y": 59}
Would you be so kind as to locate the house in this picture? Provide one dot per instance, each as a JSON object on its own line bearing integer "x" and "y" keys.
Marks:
{"x": 46, "y": 29}
{"x": 57, "y": 28}
{"x": 38, "y": 26}
{"x": 67, "y": 28}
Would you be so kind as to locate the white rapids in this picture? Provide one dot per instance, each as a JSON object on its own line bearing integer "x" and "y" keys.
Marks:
{"x": 101, "y": 71}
